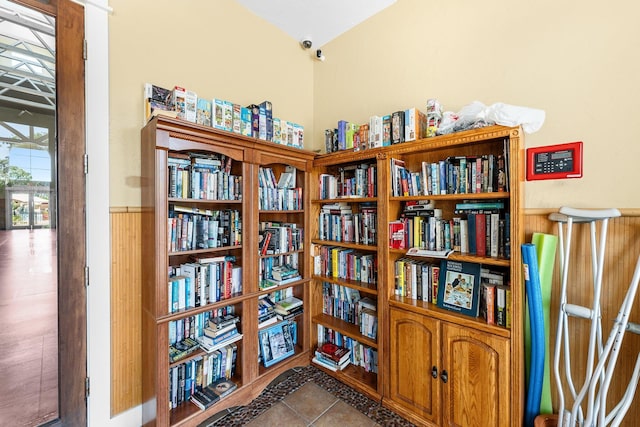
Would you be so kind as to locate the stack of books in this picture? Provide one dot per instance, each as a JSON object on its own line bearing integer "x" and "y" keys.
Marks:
{"x": 266, "y": 312}
{"x": 332, "y": 357}
{"x": 285, "y": 274}
{"x": 288, "y": 308}
{"x": 220, "y": 331}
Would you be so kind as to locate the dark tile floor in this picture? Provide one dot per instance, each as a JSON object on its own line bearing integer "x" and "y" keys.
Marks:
{"x": 308, "y": 397}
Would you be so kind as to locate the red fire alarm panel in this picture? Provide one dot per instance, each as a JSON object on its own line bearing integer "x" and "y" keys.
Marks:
{"x": 555, "y": 161}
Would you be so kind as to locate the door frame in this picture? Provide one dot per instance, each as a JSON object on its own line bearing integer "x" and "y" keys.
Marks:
{"x": 71, "y": 219}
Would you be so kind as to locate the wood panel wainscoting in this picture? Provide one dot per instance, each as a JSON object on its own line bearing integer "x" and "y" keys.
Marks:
{"x": 126, "y": 314}
{"x": 622, "y": 252}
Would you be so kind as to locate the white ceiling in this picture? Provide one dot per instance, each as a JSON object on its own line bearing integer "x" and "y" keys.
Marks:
{"x": 317, "y": 20}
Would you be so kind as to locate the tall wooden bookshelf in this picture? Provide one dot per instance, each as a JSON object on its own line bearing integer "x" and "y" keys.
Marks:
{"x": 435, "y": 366}
{"x": 166, "y": 138}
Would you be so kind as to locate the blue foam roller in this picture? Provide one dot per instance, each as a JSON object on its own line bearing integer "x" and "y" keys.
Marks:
{"x": 534, "y": 300}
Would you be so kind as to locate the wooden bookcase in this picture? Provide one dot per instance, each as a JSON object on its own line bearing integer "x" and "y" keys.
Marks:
{"x": 435, "y": 366}
{"x": 161, "y": 138}
{"x": 363, "y": 201}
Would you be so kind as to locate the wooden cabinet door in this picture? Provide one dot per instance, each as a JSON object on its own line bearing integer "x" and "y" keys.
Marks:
{"x": 477, "y": 388}
{"x": 413, "y": 356}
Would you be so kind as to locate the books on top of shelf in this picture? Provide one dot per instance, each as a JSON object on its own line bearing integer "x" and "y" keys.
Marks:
{"x": 158, "y": 101}
{"x": 459, "y": 287}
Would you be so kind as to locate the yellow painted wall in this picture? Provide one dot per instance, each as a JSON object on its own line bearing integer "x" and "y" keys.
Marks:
{"x": 216, "y": 48}
{"x": 575, "y": 60}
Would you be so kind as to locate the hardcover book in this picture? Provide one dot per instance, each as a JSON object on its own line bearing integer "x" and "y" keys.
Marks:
{"x": 335, "y": 353}
{"x": 268, "y": 110}
{"x": 184, "y": 102}
{"x": 222, "y": 387}
{"x": 397, "y": 127}
{"x": 459, "y": 287}
{"x": 245, "y": 124}
{"x": 276, "y": 343}
{"x": 204, "y": 111}
{"x": 204, "y": 398}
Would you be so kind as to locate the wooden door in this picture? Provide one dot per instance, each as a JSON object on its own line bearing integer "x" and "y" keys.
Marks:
{"x": 475, "y": 365}
{"x": 414, "y": 363}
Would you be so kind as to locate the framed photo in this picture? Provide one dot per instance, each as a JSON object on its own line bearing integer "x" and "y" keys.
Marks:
{"x": 276, "y": 343}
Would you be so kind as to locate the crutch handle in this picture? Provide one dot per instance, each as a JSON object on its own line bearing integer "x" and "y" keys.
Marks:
{"x": 590, "y": 214}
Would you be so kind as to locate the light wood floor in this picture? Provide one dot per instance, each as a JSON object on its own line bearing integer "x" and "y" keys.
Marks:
{"x": 29, "y": 327}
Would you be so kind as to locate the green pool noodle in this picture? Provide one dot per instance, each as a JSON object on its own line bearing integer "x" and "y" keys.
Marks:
{"x": 546, "y": 253}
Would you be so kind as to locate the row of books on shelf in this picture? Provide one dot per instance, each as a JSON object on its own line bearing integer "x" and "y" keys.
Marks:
{"x": 350, "y": 181}
{"x": 209, "y": 280}
{"x": 478, "y": 232}
{"x": 279, "y": 194}
{"x": 416, "y": 279}
{"x": 380, "y": 131}
{"x": 190, "y": 327}
{"x": 346, "y": 304}
{"x": 202, "y": 177}
{"x": 202, "y": 229}
{"x": 338, "y": 222}
{"x": 203, "y": 380}
{"x": 280, "y": 199}
{"x": 346, "y": 264}
{"x": 278, "y": 270}
{"x": 361, "y": 355}
{"x": 280, "y": 237}
{"x": 267, "y": 178}
{"x": 191, "y": 376}
{"x": 467, "y": 288}
{"x": 254, "y": 120}
{"x": 453, "y": 175}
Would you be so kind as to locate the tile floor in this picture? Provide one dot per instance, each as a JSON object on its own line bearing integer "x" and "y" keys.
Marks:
{"x": 306, "y": 396}
{"x": 310, "y": 405}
